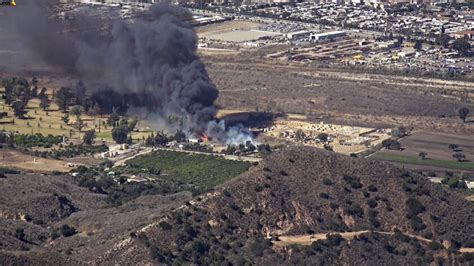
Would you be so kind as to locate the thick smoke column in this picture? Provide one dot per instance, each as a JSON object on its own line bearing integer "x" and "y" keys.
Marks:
{"x": 151, "y": 61}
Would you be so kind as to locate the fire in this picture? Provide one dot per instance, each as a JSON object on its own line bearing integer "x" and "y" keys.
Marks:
{"x": 205, "y": 138}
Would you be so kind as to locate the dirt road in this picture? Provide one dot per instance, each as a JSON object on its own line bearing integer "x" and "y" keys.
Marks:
{"x": 308, "y": 239}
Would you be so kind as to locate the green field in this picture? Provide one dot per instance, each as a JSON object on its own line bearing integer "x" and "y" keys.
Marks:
{"x": 381, "y": 156}
{"x": 205, "y": 171}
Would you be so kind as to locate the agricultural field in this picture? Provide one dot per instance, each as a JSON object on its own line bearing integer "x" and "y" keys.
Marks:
{"x": 415, "y": 160}
{"x": 436, "y": 146}
{"x": 205, "y": 171}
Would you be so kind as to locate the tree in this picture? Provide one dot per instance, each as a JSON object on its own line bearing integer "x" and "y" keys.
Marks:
{"x": 34, "y": 92}
{"x": 76, "y": 110}
{"x": 65, "y": 118}
{"x": 34, "y": 81}
{"x": 400, "y": 40}
{"x": 423, "y": 155}
{"x": 113, "y": 119}
{"x": 89, "y": 137}
{"x": 160, "y": 139}
{"x": 132, "y": 124}
{"x": 249, "y": 146}
{"x": 19, "y": 109}
{"x": 63, "y": 98}
{"x": 79, "y": 124}
{"x": 231, "y": 149}
{"x": 42, "y": 93}
{"x": 20, "y": 234}
{"x": 418, "y": 45}
{"x": 300, "y": 135}
{"x": 323, "y": 137}
{"x": 459, "y": 156}
{"x": 179, "y": 136}
{"x": 443, "y": 40}
{"x": 120, "y": 134}
{"x": 264, "y": 149}
{"x": 463, "y": 112}
{"x": 391, "y": 144}
{"x": 462, "y": 45}
{"x": 80, "y": 93}
{"x": 45, "y": 103}
{"x": 400, "y": 132}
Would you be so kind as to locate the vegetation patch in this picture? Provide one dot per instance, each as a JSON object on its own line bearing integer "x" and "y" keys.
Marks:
{"x": 381, "y": 156}
{"x": 205, "y": 171}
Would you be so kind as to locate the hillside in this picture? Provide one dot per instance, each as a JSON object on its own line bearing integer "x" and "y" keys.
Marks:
{"x": 298, "y": 206}
{"x": 307, "y": 191}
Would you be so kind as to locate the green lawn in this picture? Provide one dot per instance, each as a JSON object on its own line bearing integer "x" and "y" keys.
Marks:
{"x": 206, "y": 171}
{"x": 382, "y": 156}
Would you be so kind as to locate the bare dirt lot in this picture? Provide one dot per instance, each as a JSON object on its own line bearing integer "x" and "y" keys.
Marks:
{"x": 342, "y": 138}
{"x": 227, "y": 26}
{"x": 17, "y": 159}
{"x": 249, "y": 81}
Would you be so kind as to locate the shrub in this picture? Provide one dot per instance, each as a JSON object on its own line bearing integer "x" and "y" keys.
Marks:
{"x": 334, "y": 239}
{"x": 6, "y": 170}
{"x": 391, "y": 144}
{"x": 258, "y": 188}
{"x": 324, "y": 195}
{"x": 226, "y": 193}
{"x": 372, "y": 203}
{"x": 469, "y": 244}
{"x": 414, "y": 207}
{"x": 55, "y": 233}
{"x": 20, "y": 234}
{"x": 353, "y": 181}
{"x": 433, "y": 245}
{"x": 355, "y": 210}
{"x": 67, "y": 230}
{"x": 283, "y": 173}
{"x": 327, "y": 182}
{"x": 417, "y": 224}
{"x": 165, "y": 225}
{"x": 258, "y": 246}
{"x": 372, "y": 188}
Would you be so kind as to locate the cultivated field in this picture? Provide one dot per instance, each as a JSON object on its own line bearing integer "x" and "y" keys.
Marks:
{"x": 436, "y": 146}
{"x": 202, "y": 170}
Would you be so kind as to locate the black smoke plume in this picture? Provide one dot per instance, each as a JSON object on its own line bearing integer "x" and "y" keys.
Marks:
{"x": 150, "y": 61}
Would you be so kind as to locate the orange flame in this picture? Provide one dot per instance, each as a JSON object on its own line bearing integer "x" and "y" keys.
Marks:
{"x": 205, "y": 138}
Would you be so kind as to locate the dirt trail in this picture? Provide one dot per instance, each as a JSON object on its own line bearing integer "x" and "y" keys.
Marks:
{"x": 466, "y": 250}
{"x": 308, "y": 239}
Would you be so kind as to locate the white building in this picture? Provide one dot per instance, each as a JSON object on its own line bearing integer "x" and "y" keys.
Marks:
{"x": 327, "y": 35}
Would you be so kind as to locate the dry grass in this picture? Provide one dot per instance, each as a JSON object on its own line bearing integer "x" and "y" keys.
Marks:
{"x": 50, "y": 122}
{"x": 16, "y": 159}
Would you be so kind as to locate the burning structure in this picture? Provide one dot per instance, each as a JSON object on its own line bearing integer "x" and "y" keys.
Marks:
{"x": 146, "y": 65}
